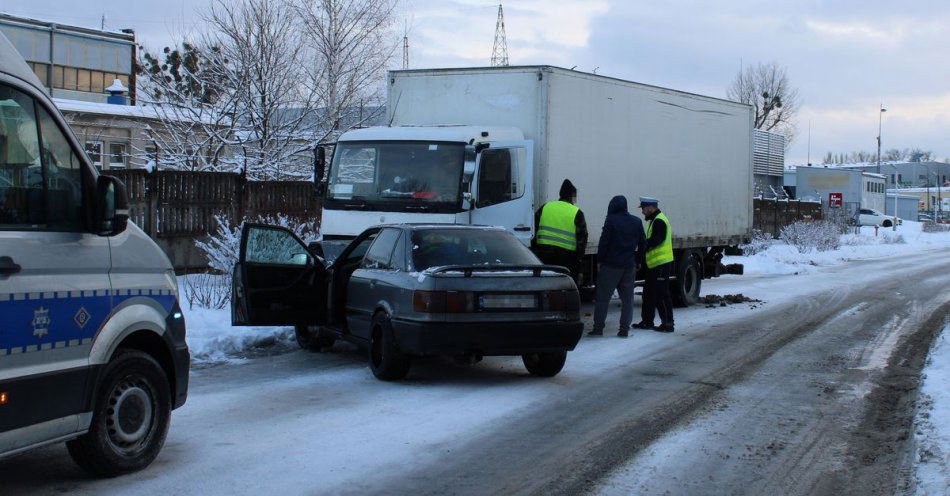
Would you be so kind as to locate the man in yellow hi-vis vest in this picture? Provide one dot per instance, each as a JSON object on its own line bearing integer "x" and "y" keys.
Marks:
{"x": 659, "y": 268}
{"x": 560, "y": 231}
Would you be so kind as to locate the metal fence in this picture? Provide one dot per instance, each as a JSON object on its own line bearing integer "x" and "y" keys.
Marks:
{"x": 771, "y": 215}
{"x": 176, "y": 208}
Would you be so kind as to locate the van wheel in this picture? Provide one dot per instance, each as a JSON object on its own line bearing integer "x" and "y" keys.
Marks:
{"x": 544, "y": 364}
{"x": 689, "y": 279}
{"x": 130, "y": 417}
{"x": 385, "y": 360}
{"x": 313, "y": 338}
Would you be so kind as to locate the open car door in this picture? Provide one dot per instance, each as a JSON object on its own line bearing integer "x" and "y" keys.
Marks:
{"x": 277, "y": 281}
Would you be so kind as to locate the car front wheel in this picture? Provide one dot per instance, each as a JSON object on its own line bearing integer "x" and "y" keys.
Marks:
{"x": 385, "y": 359}
{"x": 130, "y": 417}
{"x": 544, "y": 364}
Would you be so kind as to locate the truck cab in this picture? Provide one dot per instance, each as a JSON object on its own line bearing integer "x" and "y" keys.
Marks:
{"x": 92, "y": 340}
{"x": 429, "y": 174}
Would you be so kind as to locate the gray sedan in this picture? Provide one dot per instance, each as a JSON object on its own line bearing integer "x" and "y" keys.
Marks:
{"x": 411, "y": 290}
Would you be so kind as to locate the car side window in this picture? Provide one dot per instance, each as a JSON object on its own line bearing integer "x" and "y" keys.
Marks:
{"x": 358, "y": 251}
{"x": 274, "y": 246}
{"x": 380, "y": 254}
{"x": 399, "y": 261}
{"x": 63, "y": 176}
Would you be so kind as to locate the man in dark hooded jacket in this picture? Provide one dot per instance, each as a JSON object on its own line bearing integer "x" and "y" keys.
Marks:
{"x": 622, "y": 243}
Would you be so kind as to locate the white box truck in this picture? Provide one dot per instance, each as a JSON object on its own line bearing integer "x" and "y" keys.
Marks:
{"x": 491, "y": 145}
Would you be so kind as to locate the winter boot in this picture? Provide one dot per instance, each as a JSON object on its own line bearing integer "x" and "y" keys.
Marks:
{"x": 622, "y": 333}
{"x": 596, "y": 332}
{"x": 665, "y": 328}
{"x": 643, "y": 325}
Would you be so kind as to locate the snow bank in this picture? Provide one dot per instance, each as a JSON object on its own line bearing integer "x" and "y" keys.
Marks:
{"x": 933, "y": 421}
{"x": 781, "y": 258}
{"x": 211, "y": 338}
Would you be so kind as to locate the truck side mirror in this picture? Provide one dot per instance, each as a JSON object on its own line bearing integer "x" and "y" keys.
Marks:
{"x": 319, "y": 169}
{"x": 112, "y": 206}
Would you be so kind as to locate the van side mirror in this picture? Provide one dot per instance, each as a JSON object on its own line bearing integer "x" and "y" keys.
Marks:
{"x": 112, "y": 206}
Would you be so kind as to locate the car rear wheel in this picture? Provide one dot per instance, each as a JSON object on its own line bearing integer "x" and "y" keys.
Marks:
{"x": 130, "y": 417}
{"x": 385, "y": 359}
{"x": 313, "y": 338}
{"x": 544, "y": 364}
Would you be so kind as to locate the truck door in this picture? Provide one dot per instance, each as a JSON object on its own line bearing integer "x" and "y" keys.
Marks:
{"x": 504, "y": 188}
{"x": 54, "y": 275}
{"x": 277, "y": 281}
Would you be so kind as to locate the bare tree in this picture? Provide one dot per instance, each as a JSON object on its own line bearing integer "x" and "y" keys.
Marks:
{"x": 350, "y": 47}
{"x": 767, "y": 88}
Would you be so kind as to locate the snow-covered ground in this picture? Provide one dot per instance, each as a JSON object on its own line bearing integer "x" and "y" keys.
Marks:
{"x": 782, "y": 258}
{"x": 933, "y": 421}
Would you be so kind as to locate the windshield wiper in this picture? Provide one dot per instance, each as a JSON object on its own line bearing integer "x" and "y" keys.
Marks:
{"x": 362, "y": 202}
{"x": 423, "y": 208}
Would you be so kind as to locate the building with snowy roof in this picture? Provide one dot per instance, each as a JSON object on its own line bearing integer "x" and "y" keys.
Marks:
{"x": 73, "y": 62}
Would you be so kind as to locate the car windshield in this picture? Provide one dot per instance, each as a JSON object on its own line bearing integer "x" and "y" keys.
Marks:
{"x": 441, "y": 247}
{"x": 397, "y": 173}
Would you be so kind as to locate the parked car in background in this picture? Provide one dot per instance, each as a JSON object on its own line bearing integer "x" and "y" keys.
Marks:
{"x": 871, "y": 217}
{"x": 403, "y": 291}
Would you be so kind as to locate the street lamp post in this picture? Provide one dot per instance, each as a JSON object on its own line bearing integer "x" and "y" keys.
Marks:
{"x": 880, "y": 122}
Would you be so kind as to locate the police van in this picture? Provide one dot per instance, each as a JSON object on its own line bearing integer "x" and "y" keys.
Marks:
{"x": 92, "y": 340}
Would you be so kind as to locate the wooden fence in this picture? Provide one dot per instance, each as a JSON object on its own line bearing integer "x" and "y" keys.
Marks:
{"x": 771, "y": 215}
{"x": 176, "y": 208}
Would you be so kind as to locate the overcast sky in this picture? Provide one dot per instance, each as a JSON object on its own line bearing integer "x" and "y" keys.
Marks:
{"x": 844, "y": 56}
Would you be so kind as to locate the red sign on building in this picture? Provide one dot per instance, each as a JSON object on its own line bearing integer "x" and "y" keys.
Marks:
{"x": 834, "y": 200}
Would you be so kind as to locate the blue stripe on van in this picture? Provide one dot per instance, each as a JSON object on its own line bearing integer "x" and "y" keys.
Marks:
{"x": 41, "y": 321}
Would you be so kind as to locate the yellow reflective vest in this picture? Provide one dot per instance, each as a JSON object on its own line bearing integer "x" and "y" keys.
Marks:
{"x": 663, "y": 253}
{"x": 556, "y": 226}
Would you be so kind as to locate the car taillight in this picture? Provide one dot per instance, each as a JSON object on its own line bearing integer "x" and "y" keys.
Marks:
{"x": 428, "y": 301}
{"x": 443, "y": 301}
{"x": 561, "y": 301}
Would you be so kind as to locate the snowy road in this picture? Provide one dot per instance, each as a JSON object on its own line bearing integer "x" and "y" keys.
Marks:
{"x": 785, "y": 397}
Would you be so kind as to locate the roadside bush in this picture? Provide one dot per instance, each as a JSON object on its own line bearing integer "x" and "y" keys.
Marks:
{"x": 894, "y": 239}
{"x": 758, "y": 243}
{"x": 930, "y": 227}
{"x": 812, "y": 235}
{"x": 224, "y": 245}
{"x": 211, "y": 291}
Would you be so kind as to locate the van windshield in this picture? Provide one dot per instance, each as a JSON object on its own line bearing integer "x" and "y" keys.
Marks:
{"x": 396, "y": 174}
{"x": 441, "y": 247}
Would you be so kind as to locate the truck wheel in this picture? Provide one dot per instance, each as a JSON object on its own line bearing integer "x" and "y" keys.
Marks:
{"x": 385, "y": 360}
{"x": 130, "y": 417}
{"x": 689, "y": 280}
{"x": 313, "y": 338}
{"x": 544, "y": 364}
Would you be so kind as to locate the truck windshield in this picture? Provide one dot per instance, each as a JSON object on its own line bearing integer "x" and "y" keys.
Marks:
{"x": 440, "y": 247}
{"x": 397, "y": 173}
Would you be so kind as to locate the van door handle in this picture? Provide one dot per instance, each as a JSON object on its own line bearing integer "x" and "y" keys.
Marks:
{"x": 522, "y": 228}
{"x": 7, "y": 266}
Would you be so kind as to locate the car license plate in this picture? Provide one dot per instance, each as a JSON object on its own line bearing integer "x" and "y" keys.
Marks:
{"x": 516, "y": 302}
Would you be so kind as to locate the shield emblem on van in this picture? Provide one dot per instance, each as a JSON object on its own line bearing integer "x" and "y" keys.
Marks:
{"x": 41, "y": 322}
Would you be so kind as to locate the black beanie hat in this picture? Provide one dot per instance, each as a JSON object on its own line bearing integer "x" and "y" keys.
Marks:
{"x": 567, "y": 189}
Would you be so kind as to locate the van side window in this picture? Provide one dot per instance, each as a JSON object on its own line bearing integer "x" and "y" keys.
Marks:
{"x": 21, "y": 175}
{"x": 63, "y": 177}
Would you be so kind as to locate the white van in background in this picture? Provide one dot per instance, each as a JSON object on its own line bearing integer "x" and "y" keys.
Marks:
{"x": 92, "y": 340}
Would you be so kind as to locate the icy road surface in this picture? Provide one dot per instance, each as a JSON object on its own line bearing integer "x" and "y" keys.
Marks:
{"x": 809, "y": 392}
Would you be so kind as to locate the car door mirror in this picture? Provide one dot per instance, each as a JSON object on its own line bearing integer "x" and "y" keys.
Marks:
{"x": 112, "y": 206}
{"x": 316, "y": 249}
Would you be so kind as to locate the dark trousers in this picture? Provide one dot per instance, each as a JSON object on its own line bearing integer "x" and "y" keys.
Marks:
{"x": 656, "y": 294}
{"x": 550, "y": 255}
{"x": 609, "y": 279}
